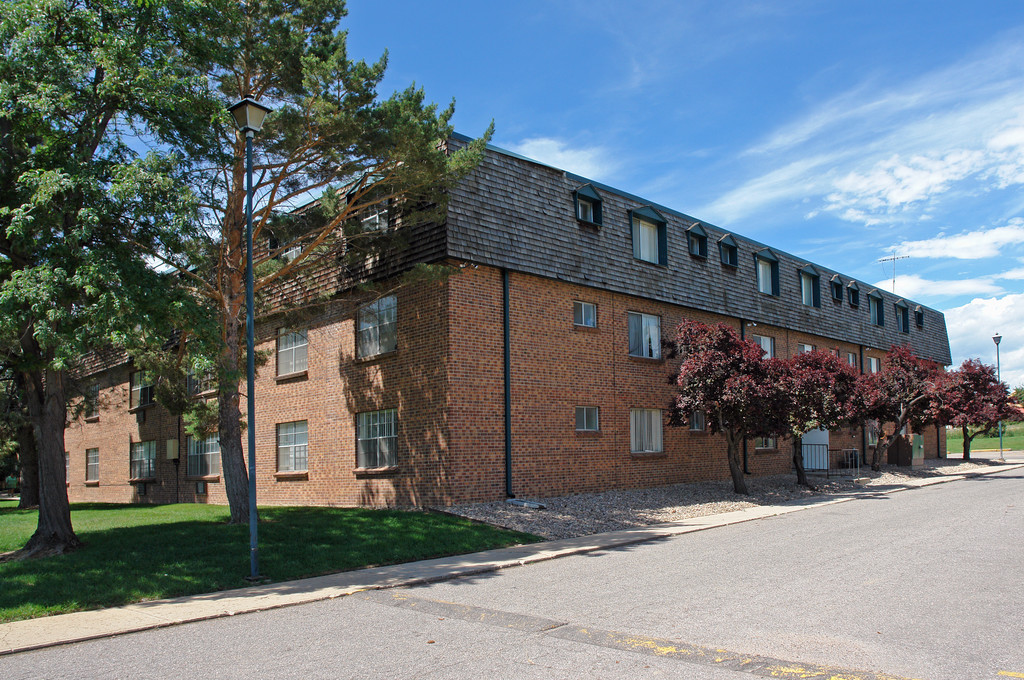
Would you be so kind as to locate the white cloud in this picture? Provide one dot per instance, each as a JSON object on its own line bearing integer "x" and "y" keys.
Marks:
{"x": 972, "y": 326}
{"x": 895, "y": 182}
{"x": 916, "y": 287}
{"x": 969, "y": 245}
{"x": 794, "y": 181}
{"x": 594, "y": 162}
{"x": 896, "y": 152}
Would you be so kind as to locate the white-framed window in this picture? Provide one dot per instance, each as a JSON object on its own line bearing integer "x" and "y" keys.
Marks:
{"x": 804, "y": 348}
{"x": 646, "y": 240}
{"x": 808, "y": 282}
{"x": 92, "y": 465}
{"x": 378, "y": 324}
{"x": 903, "y": 318}
{"x": 645, "y": 430}
{"x": 584, "y": 314}
{"x": 588, "y": 204}
{"x": 143, "y": 460}
{"x": 585, "y": 209}
{"x": 142, "y": 390}
{"x": 697, "y": 422}
{"x": 765, "y": 342}
{"x": 291, "y": 252}
{"x": 644, "y": 335}
{"x": 851, "y": 358}
{"x": 697, "y": 241}
{"x": 293, "y": 446}
{"x": 877, "y": 311}
{"x": 587, "y": 419}
{"x": 767, "y": 273}
{"x": 292, "y": 351}
{"x": 375, "y": 218}
{"x": 764, "y": 443}
{"x": 203, "y": 456}
{"x": 377, "y": 439}
{"x": 874, "y": 364}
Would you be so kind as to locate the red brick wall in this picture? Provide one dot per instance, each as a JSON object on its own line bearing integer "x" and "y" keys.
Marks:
{"x": 446, "y": 382}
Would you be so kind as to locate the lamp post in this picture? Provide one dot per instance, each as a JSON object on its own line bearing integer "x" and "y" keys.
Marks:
{"x": 249, "y": 115}
{"x": 996, "y": 338}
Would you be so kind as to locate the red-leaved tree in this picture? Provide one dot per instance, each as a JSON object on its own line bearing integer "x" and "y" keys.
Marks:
{"x": 820, "y": 392}
{"x": 901, "y": 394}
{"x": 972, "y": 399}
{"x": 726, "y": 379}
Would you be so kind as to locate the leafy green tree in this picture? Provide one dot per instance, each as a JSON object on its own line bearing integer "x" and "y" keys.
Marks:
{"x": 342, "y": 176}
{"x": 84, "y": 85}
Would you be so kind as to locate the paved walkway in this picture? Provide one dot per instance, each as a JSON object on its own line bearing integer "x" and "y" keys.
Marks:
{"x": 49, "y": 631}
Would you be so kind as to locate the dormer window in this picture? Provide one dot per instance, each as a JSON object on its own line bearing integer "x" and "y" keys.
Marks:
{"x": 835, "y": 285}
{"x": 375, "y": 218}
{"x": 875, "y": 308}
{"x": 767, "y": 271}
{"x": 697, "y": 240}
{"x": 588, "y": 204}
{"x": 650, "y": 240}
{"x": 810, "y": 290}
{"x": 919, "y": 316}
{"x": 902, "y": 316}
{"x": 729, "y": 251}
{"x": 853, "y": 293}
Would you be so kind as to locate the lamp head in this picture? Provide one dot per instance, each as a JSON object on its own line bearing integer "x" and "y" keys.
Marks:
{"x": 996, "y": 338}
{"x": 248, "y": 114}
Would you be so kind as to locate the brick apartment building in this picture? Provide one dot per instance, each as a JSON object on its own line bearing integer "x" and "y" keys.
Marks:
{"x": 536, "y": 370}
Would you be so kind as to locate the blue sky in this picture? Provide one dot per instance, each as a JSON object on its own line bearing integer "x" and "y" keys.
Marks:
{"x": 839, "y": 132}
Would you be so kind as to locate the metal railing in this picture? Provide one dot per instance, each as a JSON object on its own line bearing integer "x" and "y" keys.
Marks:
{"x": 838, "y": 462}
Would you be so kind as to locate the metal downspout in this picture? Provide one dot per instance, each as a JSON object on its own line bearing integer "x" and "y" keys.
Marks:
{"x": 746, "y": 458}
{"x": 508, "y": 385}
{"x": 863, "y": 427}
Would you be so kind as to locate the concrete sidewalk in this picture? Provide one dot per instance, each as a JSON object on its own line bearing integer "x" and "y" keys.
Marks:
{"x": 49, "y": 631}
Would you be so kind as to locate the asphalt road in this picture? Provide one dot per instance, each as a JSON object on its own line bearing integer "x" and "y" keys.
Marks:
{"x": 920, "y": 584}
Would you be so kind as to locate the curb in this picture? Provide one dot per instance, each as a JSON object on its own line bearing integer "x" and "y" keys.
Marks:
{"x": 51, "y": 631}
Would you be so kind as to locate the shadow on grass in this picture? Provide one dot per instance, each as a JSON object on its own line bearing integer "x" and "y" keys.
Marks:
{"x": 151, "y": 560}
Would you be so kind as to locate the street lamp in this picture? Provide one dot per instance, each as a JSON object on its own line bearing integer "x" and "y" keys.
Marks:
{"x": 996, "y": 338}
{"x": 249, "y": 115}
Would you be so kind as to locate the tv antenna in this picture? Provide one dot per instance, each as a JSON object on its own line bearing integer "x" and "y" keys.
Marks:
{"x": 892, "y": 258}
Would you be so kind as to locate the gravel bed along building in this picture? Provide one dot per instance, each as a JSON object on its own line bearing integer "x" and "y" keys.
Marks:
{"x": 591, "y": 513}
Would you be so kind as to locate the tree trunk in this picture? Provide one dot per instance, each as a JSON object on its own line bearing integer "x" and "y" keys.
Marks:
{"x": 232, "y": 459}
{"x": 798, "y": 461}
{"x": 967, "y": 443}
{"x": 884, "y": 443}
{"x": 28, "y": 461}
{"x": 739, "y": 484}
{"x": 47, "y": 409}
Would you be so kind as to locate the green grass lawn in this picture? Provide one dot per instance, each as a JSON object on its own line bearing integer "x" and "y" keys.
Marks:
{"x": 143, "y": 552}
{"x": 1013, "y": 439}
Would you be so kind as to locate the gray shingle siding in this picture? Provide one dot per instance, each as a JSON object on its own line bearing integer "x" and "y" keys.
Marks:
{"x": 518, "y": 214}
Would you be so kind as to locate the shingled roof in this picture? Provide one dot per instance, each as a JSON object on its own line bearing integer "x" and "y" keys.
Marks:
{"x": 516, "y": 213}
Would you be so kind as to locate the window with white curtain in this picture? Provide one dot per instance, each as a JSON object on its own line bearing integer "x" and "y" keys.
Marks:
{"x": 644, "y": 335}
{"x": 645, "y": 430}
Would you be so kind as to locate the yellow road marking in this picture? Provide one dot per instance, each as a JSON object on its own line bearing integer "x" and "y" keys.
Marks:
{"x": 1010, "y": 674}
